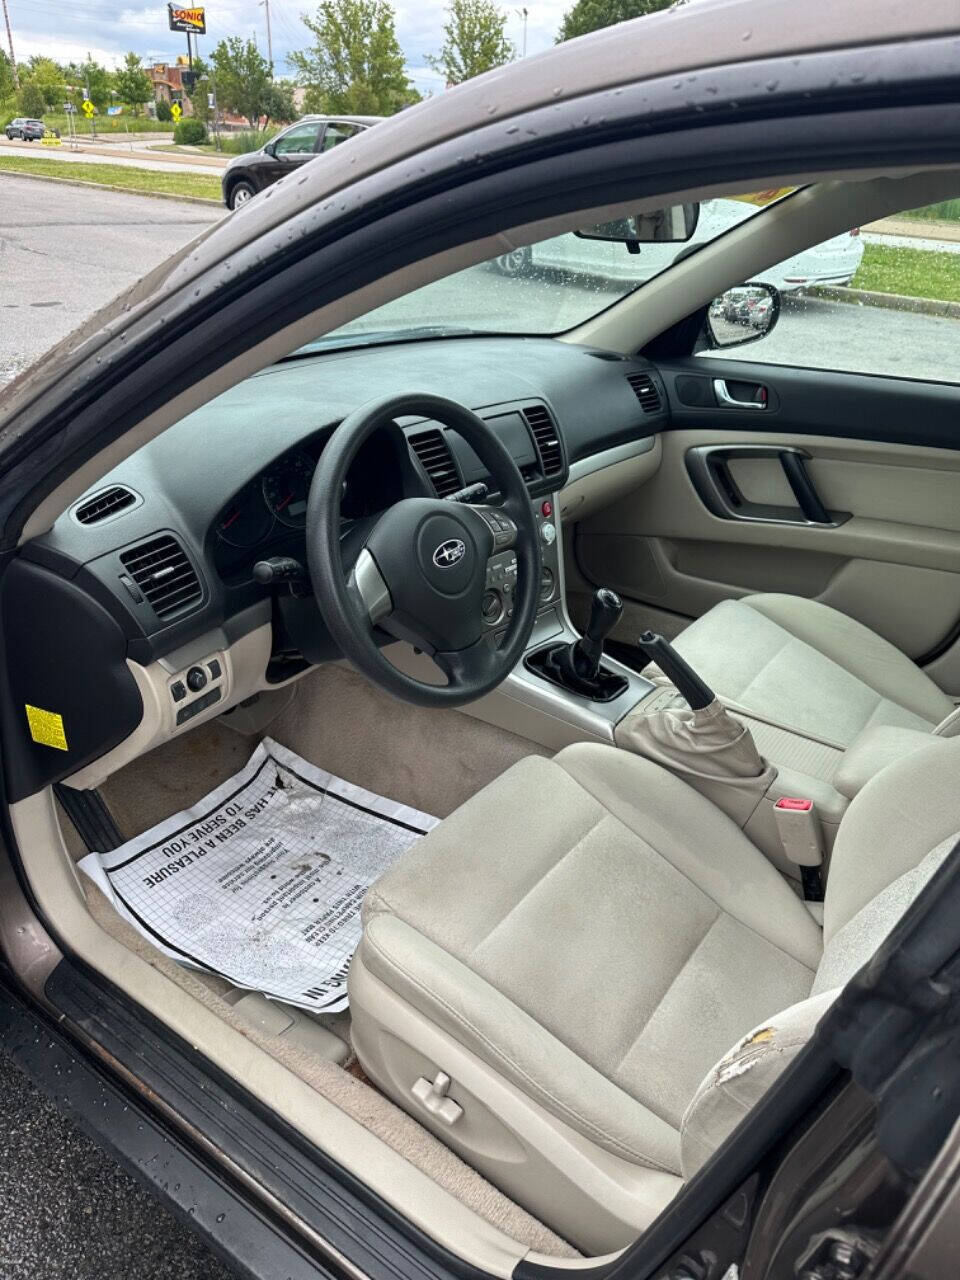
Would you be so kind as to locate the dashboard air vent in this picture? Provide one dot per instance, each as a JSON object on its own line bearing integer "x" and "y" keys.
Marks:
{"x": 164, "y": 574}
{"x": 434, "y": 453}
{"x": 548, "y": 441}
{"x": 106, "y": 503}
{"x": 645, "y": 389}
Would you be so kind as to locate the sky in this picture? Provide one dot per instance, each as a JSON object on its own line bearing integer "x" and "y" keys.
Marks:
{"x": 66, "y": 31}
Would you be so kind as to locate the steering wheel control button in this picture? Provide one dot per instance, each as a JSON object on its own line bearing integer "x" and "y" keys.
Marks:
{"x": 196, "y": 679}
{"x": 178, "y": 691}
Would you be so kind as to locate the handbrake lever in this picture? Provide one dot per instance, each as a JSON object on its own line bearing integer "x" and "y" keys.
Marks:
{"x": 659, "y": 650}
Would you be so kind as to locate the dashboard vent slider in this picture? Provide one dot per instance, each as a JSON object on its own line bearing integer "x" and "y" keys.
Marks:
{"x": 163, "y": 572}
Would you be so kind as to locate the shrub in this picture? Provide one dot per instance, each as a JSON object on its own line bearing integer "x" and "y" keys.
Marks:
{"x": 190, "y": 132}
{"x": 163, "y": 110}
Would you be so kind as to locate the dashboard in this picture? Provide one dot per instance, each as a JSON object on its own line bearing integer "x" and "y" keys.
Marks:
{"x": 144, "y": 593}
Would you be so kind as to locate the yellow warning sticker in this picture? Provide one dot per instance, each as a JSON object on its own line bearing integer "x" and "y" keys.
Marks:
{"x": 46, "y": 727}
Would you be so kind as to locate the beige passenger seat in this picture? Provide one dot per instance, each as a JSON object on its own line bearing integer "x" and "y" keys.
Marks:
{"x": 552, "y": 979}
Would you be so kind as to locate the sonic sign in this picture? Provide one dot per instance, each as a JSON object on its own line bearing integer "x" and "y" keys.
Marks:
{"x": 192, "y": 21}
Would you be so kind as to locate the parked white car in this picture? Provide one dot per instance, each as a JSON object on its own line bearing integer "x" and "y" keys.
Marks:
{"x": 833, "y": 262}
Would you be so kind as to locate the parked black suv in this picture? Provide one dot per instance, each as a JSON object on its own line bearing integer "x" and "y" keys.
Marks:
{"x": 245, "y": 175}
{"x": 27, "y": 130}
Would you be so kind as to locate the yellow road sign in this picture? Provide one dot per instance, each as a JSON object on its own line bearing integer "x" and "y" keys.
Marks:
{"x": 87, "y": 108}
{"x": 176, "y": 111}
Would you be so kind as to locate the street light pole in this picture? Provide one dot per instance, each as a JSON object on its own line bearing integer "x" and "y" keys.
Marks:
{"x": 266, "y": 9}
{"x": 13, "y": 60}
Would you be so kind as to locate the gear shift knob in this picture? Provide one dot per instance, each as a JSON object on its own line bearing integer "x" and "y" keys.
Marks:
{"x": 605, "y": 610}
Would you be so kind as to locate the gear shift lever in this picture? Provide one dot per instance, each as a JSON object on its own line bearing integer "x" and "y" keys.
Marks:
{"x": 584, "y": 654}
{"x": 577, "y": 666}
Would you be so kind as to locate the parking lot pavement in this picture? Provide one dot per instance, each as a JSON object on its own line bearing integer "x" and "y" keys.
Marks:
{"x": 68, "y": 1212}
{"x": 65, "y": 251}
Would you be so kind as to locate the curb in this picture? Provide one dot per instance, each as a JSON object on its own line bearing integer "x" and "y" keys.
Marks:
{"x": 887, "y": 301}
{"x": 106, "y": 186}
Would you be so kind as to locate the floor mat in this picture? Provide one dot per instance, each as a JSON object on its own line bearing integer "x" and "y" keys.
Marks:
{"x": 262, "y": 880}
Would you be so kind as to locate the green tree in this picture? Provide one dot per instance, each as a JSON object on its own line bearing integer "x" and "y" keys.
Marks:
{"x": 132, "y": 83}
{"x": 90, "y": 78}
{"x": 355, "y": 64}
{"x": 49, "y": 78}
{"x": 279, "y": 105}
{"x": 6, "y": 77}
{"x": 31, "y": 100}
{"x": 243, "y": 78}
{"x": 591, "y": 15}
{"x": 474, "y": 40}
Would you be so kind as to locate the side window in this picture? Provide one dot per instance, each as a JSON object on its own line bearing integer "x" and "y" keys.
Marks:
{"x": 302, "y": 137}
{"x": 883, "y": 298}
{"x": 336, "y": 133}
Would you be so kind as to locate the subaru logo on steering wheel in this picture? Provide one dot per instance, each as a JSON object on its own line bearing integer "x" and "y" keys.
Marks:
{"x": 449, "y": 553}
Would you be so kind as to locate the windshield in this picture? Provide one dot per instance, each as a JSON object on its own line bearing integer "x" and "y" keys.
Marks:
{"x": 543, "y": 288}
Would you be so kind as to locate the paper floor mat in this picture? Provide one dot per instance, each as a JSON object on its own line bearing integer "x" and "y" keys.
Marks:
{"x": 263, "y": 879}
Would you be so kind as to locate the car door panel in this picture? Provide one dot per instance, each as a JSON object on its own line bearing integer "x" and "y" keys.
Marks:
{"x": 890, "y": 555}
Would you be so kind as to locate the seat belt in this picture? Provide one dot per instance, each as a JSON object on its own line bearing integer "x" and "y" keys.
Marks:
{"x": 799, "y": 830}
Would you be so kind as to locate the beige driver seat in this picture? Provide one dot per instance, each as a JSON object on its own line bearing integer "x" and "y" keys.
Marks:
{"x": 548, "y": 979}
{"x": 809, "y": 668}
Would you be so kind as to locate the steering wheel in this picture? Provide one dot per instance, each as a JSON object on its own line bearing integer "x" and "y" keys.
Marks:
{"x": 421, "y": 573}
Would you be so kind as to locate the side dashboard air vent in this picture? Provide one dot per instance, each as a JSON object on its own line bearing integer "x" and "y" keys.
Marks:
{"x": 103, "y": 505}
{"x": 436, "y": 459}
{"x": 645, "y": 389}
{"x": 548, "y": 441}
{"x": 163, "y": 572}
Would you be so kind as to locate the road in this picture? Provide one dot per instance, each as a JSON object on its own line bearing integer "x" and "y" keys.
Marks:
{"x": 63, "y": 257}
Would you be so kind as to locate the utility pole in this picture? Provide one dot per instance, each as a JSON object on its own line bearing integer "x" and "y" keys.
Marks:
{"x": 13, "y": 60}
{"x": 266, "y": 9}
{"x": 522, "y": 14}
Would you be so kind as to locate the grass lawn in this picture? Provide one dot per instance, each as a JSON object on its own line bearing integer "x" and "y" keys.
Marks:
{"x": 946, "y": 211}
{"x": 115, "y": 175}
{"x": 917, "y": 273}
{"x": 108, "y": 124}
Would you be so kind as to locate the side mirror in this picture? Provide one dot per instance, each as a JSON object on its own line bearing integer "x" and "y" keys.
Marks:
{"x": 673, "y": 224}
{"x": 744, "y": 314}
{"x": 270, "y": 148}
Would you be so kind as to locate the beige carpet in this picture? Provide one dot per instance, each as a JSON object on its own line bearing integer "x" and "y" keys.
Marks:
{"x": 432, "y": 760}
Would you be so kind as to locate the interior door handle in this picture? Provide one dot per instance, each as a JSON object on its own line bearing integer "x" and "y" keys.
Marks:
{"x": 722, "y": 392}
{"x": 709, "y": 468}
